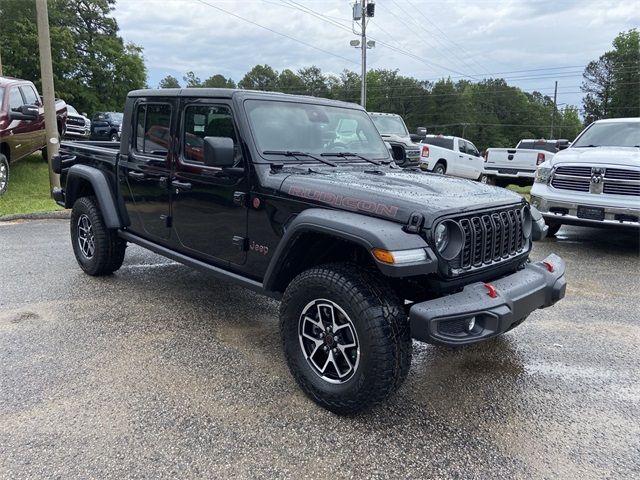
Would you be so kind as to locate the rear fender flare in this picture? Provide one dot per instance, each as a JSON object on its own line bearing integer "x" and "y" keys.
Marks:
{"x": 101, "y": 188}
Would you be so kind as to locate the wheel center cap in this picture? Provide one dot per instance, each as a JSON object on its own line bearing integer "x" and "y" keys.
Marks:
{"x": 328, "y": 339}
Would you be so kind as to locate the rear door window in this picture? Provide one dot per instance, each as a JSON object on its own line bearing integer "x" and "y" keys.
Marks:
{"x": 153, "y": 121}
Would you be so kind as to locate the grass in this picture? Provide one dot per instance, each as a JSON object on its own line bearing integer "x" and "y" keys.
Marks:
{"x": 524, "y": 191}
{"x": 28, "y": 190}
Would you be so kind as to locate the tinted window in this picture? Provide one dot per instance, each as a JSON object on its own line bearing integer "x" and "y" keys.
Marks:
{"x": 538, "y": 145}
{"x": 15, "y": 99}
{"x": 30, "y": 95}
{"x": 439, "y": 142}
{"x": 618, "y": 134}
{"x": 205, "y": 121}
{"x": 152, "y": 128}
{"x": 471, "y": 149}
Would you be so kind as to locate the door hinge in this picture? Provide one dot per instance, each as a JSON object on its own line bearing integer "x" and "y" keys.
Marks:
{"x": 239, "y": 199}
{"x": 167, "y": 219}
{"x": 241, "y": 242}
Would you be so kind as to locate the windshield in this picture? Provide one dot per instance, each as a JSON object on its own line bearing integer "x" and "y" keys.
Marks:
{"x": 71, "y": 110}
{"x": 615, "y": 134}
{"x": 302, "y": 127}
{"x": 116, "y": 116}
{"x": 389, "y": 125}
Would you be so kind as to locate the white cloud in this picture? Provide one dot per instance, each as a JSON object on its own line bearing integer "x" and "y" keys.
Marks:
{"x": 471, "y": 37}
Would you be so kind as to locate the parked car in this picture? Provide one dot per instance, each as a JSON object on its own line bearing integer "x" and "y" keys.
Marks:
{"x": 106, "y": 126}
{"x": 504, "y": 166}
{"x": 596, "y": 181}
{"x": 406, "y": 153}
{"x": 78, "y": 125}
{"x": 363, "y": 255}
{"x": 22, "y": 129}
{"x": 450, "y": 155}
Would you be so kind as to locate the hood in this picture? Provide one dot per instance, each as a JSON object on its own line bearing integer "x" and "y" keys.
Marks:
{"x": 599, "y": 156}
{"x": 405, "y": 140}
{"x": 395, "y": 194}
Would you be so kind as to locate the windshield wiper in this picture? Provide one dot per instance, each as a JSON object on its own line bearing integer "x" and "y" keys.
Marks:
{"x": 288, "y": 153}
{"x": 350, "y": 154}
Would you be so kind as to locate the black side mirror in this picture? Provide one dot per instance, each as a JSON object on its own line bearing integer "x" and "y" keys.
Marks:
{"x": 25, "y": 112}
{"x": 421, "y": 131}
{"x": 218, "y": 151}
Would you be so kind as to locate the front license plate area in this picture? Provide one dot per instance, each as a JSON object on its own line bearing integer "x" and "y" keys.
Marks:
{"x": 590, "y": 213}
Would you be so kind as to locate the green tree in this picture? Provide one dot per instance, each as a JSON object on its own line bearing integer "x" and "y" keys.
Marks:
{"x": 314, "y": 81}
{"x": 290, "y": 82}
{"x": 191, "y": 81}
{"x": 169, "y": 82}
{"x": 93, "y": 67}
{"x": 260, "y": 77}
{"x": 612, "y": 83}
{"x": 219, "y": 81}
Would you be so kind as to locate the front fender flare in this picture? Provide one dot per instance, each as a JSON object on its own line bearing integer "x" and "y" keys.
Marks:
{"x": 102, "y": 189}
{"x": 368, "y": 232}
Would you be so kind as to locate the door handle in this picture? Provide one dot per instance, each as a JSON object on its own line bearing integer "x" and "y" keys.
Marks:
{"x": 137, "y": 175}
{"x": 181, "y": 185}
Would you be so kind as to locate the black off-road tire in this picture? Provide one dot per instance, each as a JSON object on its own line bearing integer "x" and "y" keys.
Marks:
{"x": 114, "y": 137}
{"x": 553, "y": 229}
{"x": 4, "y": 174}
{"x": 382, "y": 328}
{"x": 109, "y": 249}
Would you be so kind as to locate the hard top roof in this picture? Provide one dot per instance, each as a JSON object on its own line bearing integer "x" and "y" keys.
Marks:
{"x": 235, "y": 92}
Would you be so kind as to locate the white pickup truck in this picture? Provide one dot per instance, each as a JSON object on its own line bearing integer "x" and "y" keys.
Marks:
{"x": 451, "y": 155}
{"x": 518, "y": 165}
{"x": 596, "y": 181}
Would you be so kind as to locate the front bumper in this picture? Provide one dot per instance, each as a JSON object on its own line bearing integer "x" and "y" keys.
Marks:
{"x": 445, "y": 320}
{"x": 565, "y": 210}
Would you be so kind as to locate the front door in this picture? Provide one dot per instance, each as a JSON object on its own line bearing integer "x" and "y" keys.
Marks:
{"x": 146, "y": 170}
{"x": 208, "y": 203}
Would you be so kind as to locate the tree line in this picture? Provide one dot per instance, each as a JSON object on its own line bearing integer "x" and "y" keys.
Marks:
{"x": 94, "y": 68}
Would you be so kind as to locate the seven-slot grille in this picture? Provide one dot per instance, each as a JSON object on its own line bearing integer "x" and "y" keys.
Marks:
{"x": 76, "y": 121}
{"x": 490, "y": 238}
{"x": 615, "y": 181}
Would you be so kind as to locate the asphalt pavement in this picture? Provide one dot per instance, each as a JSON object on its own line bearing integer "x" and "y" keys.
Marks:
{"x": 162, "y": 372}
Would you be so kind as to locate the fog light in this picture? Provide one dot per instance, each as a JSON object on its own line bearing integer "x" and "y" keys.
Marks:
{"x": 471, "y": 322}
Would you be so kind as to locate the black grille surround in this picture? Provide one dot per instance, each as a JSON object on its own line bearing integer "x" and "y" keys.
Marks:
{"x": 489, "y": 238}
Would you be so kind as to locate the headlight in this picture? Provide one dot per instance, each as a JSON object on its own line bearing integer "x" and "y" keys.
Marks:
{"x": 543, "y": 174}
{"x": 441, "y": 237}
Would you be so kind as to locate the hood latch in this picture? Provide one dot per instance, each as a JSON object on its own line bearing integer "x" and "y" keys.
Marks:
{"x": 415, "y": 223}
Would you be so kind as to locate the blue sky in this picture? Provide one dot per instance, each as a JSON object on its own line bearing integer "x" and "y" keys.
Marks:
{"x": 530, "y": 43}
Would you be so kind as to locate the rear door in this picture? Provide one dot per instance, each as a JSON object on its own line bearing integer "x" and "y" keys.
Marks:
{"x": 145, "y": 171}
{"x": 209, "y": 204}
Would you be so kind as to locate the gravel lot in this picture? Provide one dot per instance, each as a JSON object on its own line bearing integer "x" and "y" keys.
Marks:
{"x": 162, "y": 372}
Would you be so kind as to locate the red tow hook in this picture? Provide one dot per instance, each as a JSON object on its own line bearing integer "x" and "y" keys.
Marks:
{"x": 491, "y": 290}
{"x": 549, "y": 266}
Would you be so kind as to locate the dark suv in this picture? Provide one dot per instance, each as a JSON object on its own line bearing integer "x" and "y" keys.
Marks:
{"x": 106, "y": 126}
{"x": 265, "y": 190}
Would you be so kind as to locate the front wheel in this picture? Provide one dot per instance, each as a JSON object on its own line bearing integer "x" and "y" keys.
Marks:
{"x": 345, "y": 337}
{"x": 4, "y": 174}
{"x": 114, "y": 137}
{"x": 98, "y": 250}
{"x": 553, "y": 229}
{"x": 487, "y": 179}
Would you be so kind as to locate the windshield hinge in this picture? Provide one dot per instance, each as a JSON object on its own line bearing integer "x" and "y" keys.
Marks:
{"x": 415, "y": 223}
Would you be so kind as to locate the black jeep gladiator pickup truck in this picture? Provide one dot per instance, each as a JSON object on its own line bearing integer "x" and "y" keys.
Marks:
{"x": 261, "y": 189}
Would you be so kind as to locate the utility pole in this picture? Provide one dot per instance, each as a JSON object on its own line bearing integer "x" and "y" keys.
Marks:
{"x": 555, "y": 106}
{"x": 46, "y": 72}
{"x": 362, "y": 10}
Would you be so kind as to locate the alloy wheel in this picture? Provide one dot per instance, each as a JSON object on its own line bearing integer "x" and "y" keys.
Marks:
{"x": 329, "y": 341}
{"x": 86, "y": 237}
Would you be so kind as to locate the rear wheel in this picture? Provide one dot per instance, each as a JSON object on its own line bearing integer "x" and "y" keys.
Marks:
{"x": 345, "y": 337}
{"x": 4, "y": 174}
{"x": 98, "y": 250}
{"x": 488, "y": 179}
{"x": 440, "y": 168}
{"x": 114, "y": 137}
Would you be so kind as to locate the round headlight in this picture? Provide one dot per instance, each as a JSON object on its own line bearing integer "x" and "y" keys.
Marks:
{"x": 527, "y": 222}
{"x": 441, "y": 237}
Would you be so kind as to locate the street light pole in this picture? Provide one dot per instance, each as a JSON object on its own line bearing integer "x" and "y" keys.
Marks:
{"x": 555, "y": 106}
{"x": 46, "y": 71}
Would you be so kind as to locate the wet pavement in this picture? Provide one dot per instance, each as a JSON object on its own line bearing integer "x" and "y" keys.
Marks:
{"x": 161, "y": 372}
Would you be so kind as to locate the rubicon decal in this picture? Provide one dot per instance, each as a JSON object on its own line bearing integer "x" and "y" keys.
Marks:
{"x": 347, "y": 202}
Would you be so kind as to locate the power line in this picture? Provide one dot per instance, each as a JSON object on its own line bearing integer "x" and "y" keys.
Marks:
{"x": 275, "y": 31}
